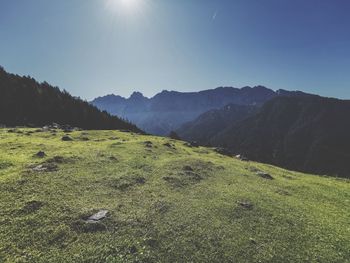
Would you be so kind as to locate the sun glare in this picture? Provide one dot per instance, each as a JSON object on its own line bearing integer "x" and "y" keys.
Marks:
{"x": 124, "y": 6}
{"x": 128, "y": 3}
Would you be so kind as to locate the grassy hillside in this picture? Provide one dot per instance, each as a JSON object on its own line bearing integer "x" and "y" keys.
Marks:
{"x": 167, "y": 202}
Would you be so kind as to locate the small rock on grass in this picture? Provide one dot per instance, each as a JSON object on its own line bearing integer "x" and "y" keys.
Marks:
{"x": 113, "y": 158}
{"x": 191, "y": 144}
{"x": 242, "y": 158}
{"x": 67, "y": 138}
{"x": 46, "y": 167}
{"x": 40, "y": 154}
{"x": 264, "y": 175}
{"x": 253, "y": 241}
{"x": 148, "y": 144}
{"x": 97, "y": 217}
{"x": 169, "y": 145}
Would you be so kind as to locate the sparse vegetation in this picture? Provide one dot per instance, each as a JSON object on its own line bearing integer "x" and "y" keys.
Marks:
{"x": 166, "y": 202}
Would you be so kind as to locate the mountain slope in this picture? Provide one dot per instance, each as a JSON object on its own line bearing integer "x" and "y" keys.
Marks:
{"x": 24, "y": 101}
{"x": 168, "y": 203}
{"x": 169, "y": 110}
{"x": 309, "y": 134}
{"x": 210, "y": 123}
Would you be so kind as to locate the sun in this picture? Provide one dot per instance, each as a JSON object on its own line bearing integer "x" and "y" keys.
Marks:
{"x": 129, "y": 4}
{"x": 124, "y": 6}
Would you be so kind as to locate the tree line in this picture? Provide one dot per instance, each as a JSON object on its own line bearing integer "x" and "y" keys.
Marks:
{"x": 26, "y": 102}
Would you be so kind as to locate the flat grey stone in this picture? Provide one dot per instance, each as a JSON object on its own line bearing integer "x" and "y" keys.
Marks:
{"x": 39, "y": 168}
{"x": 98, "y": 216}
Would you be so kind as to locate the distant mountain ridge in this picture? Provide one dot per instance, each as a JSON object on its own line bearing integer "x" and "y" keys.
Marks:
{"x": 169, "y": 110}
{"x": 24, "y": 101}
{"x": 303, "y": 133}
{"x": 211, "y": 123}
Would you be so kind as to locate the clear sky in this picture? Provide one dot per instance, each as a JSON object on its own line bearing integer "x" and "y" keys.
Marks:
{"x": 97, "y": 47}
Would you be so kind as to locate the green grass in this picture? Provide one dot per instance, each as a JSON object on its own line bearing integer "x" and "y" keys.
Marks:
{"x": 166, "y": 204}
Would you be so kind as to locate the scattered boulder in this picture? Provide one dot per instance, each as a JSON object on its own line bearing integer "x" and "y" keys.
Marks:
{"x": 45, "y": 129}
{"x": 55, "y": 126}
{"x": 67, "y": 138}
{"x": 113, "y": 158}
{"x": 242, "y": 158}
{"x": 194, "y": 144}
{"x": 264, "y": 175}
{"x": 45, "y": 167}
{"x": 67, "y": 128}
{"x": 40, "y": 154}
{"x": 148, "y": 144}
{"x": 100, "y": 215}
{"x": 169, "y": 145}
{"x": 191, "y": 144}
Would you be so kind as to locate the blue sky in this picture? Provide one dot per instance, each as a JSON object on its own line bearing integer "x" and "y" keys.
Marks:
{"x": 98, "y": 47}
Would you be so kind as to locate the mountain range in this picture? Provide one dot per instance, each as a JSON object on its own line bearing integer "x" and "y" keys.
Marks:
{"x": 291, "y": 129}
{"x": 169, "y": 110}
{"x": 307, "y": 133}
{"x": 211, "y": 123}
